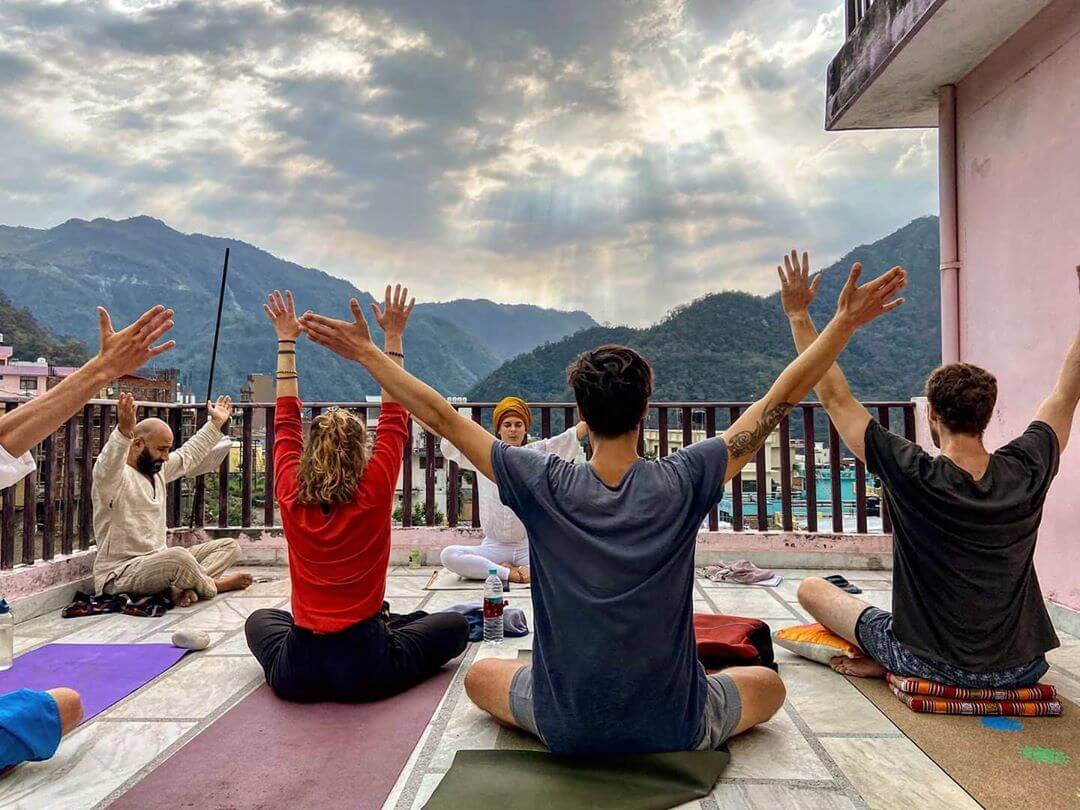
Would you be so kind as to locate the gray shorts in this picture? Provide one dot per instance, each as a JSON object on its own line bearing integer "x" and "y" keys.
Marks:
{"x": 723, "y": 708}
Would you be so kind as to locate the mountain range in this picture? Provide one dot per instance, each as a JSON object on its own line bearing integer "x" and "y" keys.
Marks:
{"x": 730, "y": 346}
{"x": 60, "y": 274}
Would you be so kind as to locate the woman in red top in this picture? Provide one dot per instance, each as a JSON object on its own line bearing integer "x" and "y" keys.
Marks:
{"x": 335, "y": 496}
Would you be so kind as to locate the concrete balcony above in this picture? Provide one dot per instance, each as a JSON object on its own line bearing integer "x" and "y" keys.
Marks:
{"x": 899, "y": 52}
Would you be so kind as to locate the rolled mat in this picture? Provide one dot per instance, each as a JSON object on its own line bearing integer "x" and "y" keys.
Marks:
{"x": 1003, "y": 762}
{"x": 102, "y": 674}
{"x": 266, "y": 752}
{"x": 534, "y": 780}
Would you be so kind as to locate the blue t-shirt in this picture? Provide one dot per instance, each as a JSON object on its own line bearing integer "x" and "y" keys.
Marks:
{"x": 29, "y": 727}
{"x": 612, "y": 568}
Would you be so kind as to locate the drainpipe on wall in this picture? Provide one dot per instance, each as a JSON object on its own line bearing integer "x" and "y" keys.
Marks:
{"x": 948, "y": 222}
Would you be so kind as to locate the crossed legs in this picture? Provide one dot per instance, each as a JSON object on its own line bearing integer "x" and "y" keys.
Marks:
{"x": 839, "y": 612}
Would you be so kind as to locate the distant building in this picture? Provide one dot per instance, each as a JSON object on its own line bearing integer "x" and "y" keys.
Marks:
{"x": 27, "y": 378}
{"x": 149, "y": 385}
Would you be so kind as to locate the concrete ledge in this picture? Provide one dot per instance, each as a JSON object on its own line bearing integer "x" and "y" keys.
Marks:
{"x": 1064, "y": 618}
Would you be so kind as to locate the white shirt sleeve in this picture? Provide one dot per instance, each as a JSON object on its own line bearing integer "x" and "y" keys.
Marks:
{"x": 566, "y": 445}
{"x": 13, "y": 470}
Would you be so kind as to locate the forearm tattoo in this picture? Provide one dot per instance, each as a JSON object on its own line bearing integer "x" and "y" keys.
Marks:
{"x": 746, "y": 442}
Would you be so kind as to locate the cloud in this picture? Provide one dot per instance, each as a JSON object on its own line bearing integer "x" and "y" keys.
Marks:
{"x": 619, "y": 156}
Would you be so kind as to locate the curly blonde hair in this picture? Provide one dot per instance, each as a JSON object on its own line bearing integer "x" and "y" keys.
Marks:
{"x": 335, "y": 457}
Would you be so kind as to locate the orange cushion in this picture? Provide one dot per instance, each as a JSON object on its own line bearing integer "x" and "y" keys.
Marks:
{"x": 815, "y": 642}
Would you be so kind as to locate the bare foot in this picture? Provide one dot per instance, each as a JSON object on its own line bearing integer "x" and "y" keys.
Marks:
{"x": 234, "y": 582}
{"x": 861, "y": 667}
{"x": 181, "y": 598}
{"x": 518, "y": 575}
{"x": 523, "y": 571}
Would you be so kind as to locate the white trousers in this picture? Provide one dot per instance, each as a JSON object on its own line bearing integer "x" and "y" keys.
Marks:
{"x": 474, "y": 562}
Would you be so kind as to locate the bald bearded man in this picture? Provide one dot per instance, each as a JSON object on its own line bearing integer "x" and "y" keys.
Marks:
{"x": 129, "y": 494}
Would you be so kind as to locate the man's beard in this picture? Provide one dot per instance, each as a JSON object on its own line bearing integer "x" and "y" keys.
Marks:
{"x": 147, "y": 465}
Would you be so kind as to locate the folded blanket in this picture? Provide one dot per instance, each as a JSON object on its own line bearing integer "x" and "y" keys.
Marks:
{"x": 150, "y": 607}
{"x": 921, "y": 686}
{"x": 1005, "y": 708}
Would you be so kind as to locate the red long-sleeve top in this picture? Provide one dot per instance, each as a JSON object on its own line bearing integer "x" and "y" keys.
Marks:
{"x": 338, "y": 556}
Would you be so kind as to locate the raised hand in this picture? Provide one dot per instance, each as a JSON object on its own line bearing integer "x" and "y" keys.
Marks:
{"x": 860, "y": 305}
{"x": 394, "y": 315}
{"x": 126, "y": 413}
{"x": 796, "y": 291}
{"x": 350, "y": 339}
{"x": 282, "y": 314}
{"x": 220, "y": 411}
{"x": 132, "y": 348}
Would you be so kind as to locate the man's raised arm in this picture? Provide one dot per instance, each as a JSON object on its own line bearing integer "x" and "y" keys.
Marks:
{"x": 352, "y": 340}
{"x": 857, "y": 307}
{"x": 120, "y": 353}
{"x": 1058, "y": 409}
{"x": 846, "y": 412}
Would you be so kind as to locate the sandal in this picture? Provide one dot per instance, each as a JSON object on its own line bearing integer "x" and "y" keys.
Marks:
{"x": 842, "y": 583}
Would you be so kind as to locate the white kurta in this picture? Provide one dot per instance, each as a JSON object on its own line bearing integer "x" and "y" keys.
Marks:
{"x": 13, "y": 470}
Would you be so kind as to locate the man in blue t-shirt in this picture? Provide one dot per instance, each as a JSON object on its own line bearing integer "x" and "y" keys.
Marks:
{"x": 612, "y": 548}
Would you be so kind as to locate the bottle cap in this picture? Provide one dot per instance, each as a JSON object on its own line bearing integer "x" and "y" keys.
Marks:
{"x": 4, "y": 606}
{"x": 493, "y": 571}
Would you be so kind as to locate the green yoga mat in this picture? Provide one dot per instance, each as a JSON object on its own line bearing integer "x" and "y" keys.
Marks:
{"x": 537, "y": 780}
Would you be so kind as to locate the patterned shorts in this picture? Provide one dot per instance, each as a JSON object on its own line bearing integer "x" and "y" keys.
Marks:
{"x": 874, "y": 632}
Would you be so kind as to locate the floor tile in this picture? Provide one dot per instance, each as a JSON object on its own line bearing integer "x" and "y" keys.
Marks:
{"x": 117, "y": 629}
{"x": 26, "y": 643}
{"x": 468, "y": 729}
{"x": 774, "y": 797}
{"x": 54, "y": 627}
{"x": 893, "y": 774}
{"x": 1066, "y": 658}
{"x": 405, "y": 586}
{"x": 775, "y": 750}
{"x": 830, "y": 704}
{"x": 749, "y": 601}
{"x": 89, "y": 765}
{"x": 193, "y": 689}
{"x": 226, "y": 614}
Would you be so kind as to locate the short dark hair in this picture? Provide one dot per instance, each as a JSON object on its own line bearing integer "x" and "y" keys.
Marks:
{"x": 963, "y": 397}
{"x": 612, "y": 385}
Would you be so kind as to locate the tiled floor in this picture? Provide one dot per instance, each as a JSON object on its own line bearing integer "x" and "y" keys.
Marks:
{"x": 828, "y": 748}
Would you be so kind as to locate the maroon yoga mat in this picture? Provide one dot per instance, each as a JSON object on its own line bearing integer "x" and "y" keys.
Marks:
{"x": 266, "y": 752}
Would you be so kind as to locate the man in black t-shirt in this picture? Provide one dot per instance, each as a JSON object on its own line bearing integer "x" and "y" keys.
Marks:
{"x": 967, "y": 605}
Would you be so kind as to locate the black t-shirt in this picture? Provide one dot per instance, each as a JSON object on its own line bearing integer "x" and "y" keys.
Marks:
{"x": 964, "y": 586}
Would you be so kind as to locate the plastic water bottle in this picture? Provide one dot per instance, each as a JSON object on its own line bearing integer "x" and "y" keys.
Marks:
{"x": 493, "y": 608}
{"x": 7, "y": 634}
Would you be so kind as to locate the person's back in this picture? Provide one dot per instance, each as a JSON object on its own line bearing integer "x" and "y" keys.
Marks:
{"x": 965, "y": 591}
{"x": 613, "y": 586}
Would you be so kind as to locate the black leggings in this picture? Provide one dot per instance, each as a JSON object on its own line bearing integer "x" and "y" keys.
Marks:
{"x": 364, "y": 662}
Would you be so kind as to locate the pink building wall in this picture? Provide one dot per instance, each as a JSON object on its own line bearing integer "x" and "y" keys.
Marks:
{"x": 1018, "y": 135}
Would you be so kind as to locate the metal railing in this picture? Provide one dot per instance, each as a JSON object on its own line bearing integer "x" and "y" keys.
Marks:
{"x": 50, "y": 511}
{"x": 854, "y": 11}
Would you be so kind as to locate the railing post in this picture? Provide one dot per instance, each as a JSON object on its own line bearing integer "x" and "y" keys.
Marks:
{"x": 223, "y": 492}
{"x": 247, "y": 463}
{"x": 785, "y": 475}
{"x": 760, "y": 463}
{"x": 198, "y": 498}
{"x": 736, "y": 484}
{"x": 48, "y": 475}
{"x": 850, "y": 17}
{"x": 810, "y": 466}
{"x": 7, "y": 517}
{"x": 545, "y": 422}
{"x": 834, "y": 479}
{"x": 662, "y": 428}
{"x": 860, "y": 496}
{"x": 477, "y": 416}
{"x": 886, "y": 519}
{"x": 86, "y": 511}
{"x": 176, "y": 488}
{"x": 687, "y": 416}
{"x": 67, "y": 541}
{"x": 29, "y": 522}
{"x": 710, "y": 432}
{"x": 429, "y": 479}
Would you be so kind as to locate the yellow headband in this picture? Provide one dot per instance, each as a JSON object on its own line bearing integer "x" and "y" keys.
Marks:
{"x": 512, "y": 406}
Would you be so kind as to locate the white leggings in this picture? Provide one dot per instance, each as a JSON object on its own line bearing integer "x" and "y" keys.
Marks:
{"x": 474, "y": 562}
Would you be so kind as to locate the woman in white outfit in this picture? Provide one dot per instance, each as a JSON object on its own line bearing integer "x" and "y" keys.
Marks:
{"x": 505, "y": 546}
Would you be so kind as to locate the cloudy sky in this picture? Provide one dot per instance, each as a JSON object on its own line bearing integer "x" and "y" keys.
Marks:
{"x": 619, "y": 156}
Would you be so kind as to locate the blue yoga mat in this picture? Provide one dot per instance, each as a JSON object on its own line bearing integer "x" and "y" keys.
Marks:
{"x": 101, "y": 673}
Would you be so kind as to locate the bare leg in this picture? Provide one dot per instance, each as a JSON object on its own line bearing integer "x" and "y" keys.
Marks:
{"x": 71, "y": 709}
{"x": 761, "y": 693}
{"x": 487, "y": 683}
{"x": 839, "y": 612}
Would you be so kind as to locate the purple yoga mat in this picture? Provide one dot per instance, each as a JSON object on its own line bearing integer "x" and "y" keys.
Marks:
{"x": 101, "y": 673}
{"x": 266, "y": 752}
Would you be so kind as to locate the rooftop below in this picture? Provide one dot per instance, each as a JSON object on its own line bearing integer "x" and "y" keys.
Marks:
{"x": 829, "y": 747}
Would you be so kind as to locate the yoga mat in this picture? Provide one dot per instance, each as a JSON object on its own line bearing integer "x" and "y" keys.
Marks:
{"x": 101, "y": 673}
{"x": 1003, "y": 762}
{"x": 446, "y": 580}
{"x": 534, "y": 780}
{"x": 266, "y": 752}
